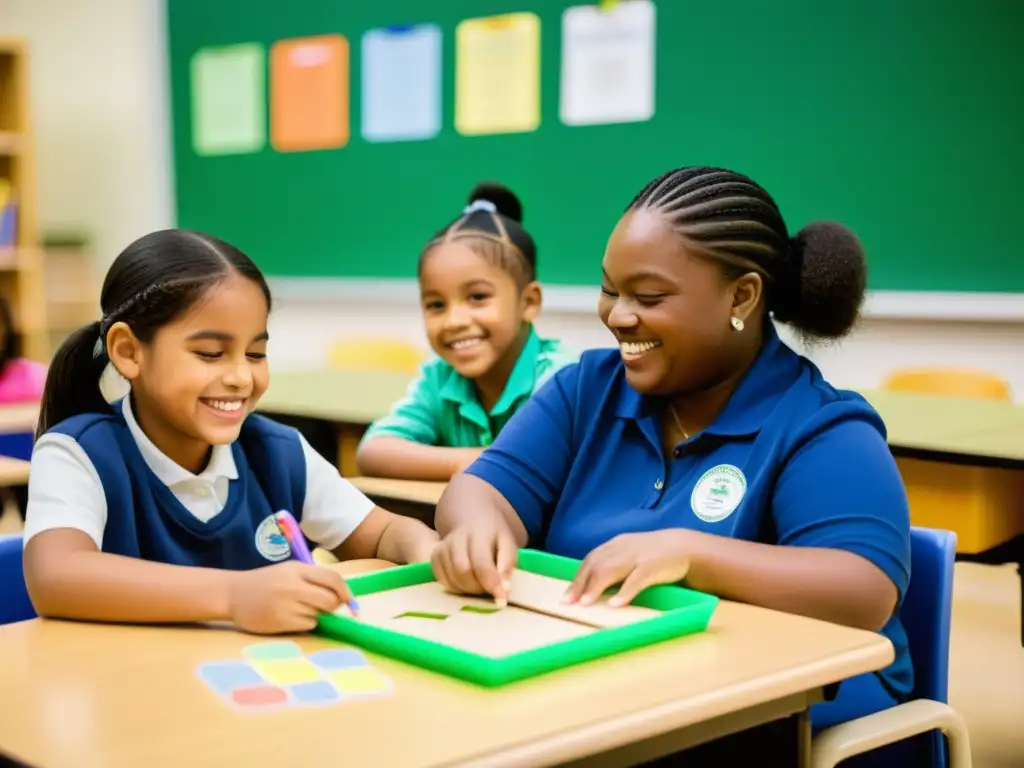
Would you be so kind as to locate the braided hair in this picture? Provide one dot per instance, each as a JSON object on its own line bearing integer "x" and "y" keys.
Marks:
{"x": 151, "y": 283}
{"x": 491, "y": 225}
{"x": 814, "y": 282}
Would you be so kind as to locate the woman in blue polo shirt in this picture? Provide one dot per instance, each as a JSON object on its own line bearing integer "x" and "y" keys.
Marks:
{"x": 703, "y": 448}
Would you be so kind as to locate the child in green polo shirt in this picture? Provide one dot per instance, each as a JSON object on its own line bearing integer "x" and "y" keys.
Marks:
{"x": 479, "y": 297}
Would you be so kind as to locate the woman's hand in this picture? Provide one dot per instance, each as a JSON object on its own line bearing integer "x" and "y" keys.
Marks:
{"x": 634, "y": 560}
{"x": 477, "y": 559}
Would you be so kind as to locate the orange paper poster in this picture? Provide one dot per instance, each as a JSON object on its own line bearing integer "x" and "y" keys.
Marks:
{"x": 309, "y": 93}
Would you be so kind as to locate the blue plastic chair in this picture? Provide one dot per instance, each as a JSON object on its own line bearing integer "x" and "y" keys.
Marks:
{"x": 926, "y": 615}
{"x": 17, "y": 445}
{"x": 14, "y": 601}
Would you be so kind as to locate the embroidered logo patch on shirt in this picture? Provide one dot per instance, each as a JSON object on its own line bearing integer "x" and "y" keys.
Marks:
{"x": 269, "y": 541}
{"x": 718, "y": 492}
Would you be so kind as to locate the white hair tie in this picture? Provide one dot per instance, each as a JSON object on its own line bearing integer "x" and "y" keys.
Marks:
{"x": 479, "y": 205}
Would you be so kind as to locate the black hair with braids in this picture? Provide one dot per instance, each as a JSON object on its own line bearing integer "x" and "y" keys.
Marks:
{"x": 152, "y": 282}
{"x": 814, "y": 282}
{"x": 491, "y": 225}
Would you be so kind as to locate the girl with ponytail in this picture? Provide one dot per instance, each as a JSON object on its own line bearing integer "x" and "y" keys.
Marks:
{"x": 160, "y": 507}
{"x": 479, "y": 296}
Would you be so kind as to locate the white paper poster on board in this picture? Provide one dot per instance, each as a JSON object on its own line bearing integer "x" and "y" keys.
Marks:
{"x": 401, "y": 83}
{"x": 608, "y": 63}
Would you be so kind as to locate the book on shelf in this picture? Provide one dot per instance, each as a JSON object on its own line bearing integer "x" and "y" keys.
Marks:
{"x": 8, "y": 216}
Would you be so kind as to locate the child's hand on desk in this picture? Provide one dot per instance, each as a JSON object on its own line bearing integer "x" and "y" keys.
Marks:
{"x": 477, "y": 560}
{"x": 635, "y": 560}
{"x": 286, "y": 597}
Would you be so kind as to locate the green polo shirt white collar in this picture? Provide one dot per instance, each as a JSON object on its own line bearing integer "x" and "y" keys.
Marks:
{"x": 441, "y": 406}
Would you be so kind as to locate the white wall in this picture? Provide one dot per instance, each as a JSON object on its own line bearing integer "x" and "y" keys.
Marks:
{"x": 303, "y": 329}
{"x": 98, "y": 113}
{"x": 102, "y": 137}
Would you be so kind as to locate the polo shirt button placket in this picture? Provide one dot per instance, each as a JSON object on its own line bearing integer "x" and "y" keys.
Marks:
{"x": 659, "y": 485}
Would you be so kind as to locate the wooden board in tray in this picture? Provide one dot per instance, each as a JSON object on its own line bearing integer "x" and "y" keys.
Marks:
{"x": 534, "y": 618}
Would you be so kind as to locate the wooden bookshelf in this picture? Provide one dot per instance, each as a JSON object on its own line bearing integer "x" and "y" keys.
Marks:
{"x": 21, "y": 262}
{"x": 72, "y": 289}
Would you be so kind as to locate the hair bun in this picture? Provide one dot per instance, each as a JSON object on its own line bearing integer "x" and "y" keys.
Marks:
{"x": 503, "y": 198}
{"x": 826, "y": 282}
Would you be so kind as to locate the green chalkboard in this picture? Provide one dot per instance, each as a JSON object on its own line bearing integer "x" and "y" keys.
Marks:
{"x": 902, "y": 118}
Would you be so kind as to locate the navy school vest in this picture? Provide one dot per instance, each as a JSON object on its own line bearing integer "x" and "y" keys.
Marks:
{"x": 146, "y": 520}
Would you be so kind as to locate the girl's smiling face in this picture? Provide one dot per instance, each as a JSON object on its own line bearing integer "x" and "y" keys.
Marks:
{"x": 202, "y": 374}
{"x": 473, "y": 311}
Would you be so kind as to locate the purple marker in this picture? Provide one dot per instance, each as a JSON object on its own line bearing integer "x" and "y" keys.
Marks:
{"x": 289, "y": 528}
{"x": 296, "y": 541}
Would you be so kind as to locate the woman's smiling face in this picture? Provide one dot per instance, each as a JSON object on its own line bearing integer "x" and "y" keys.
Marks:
{"x": 668, "y": 308}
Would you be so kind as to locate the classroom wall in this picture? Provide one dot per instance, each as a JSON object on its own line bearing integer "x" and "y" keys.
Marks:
{"x": 303, "y": 329}
{"x": 99, "y": 101}
{"x": 102, "y": 155}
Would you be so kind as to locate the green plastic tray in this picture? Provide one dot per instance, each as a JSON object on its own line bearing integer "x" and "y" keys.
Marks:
{"x": 684, "y": 612}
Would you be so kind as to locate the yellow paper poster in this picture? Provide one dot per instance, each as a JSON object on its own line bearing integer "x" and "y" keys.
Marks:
{"x": 497, "y": 74}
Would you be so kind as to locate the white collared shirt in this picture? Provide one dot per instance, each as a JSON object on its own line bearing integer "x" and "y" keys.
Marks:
{"x": 65, "y": 491}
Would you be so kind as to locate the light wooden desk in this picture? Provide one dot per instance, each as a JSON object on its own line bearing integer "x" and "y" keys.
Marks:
{"x": 401, "y": 490}
{"x": 962, "y": 461}
{"x": 19, "y": 417}
{"x": 79, "y": 695}
{"x": 351, "y": 400}
{"x": 984, "y": 432}
{"x": 13, "y": 472}
{"x": 344, "y": 397}
{"x": 411, "y": 498}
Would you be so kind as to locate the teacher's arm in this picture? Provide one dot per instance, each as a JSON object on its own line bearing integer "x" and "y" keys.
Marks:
{"x": 843, "y": 526}
{"x": 843, "y": 532}
{"x": 505, "y": 497}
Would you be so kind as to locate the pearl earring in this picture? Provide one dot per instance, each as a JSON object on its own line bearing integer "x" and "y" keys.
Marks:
{"x": 737, "y": 324}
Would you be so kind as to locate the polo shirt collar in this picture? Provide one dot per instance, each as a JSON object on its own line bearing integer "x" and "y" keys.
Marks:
{"x": 772, "y": 373}
{"x": 168, "y": 472}
{"x": 458, "y": 389}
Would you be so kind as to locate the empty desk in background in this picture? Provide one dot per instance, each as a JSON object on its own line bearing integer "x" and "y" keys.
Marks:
{"x": 965, "y": 456}
{"x": 413, "y": 498}
{"x": 966, "y": 433}
{"x": 962, "y": 460}
{"x": 346, "y": 400}
{"x": 17, "y": 429}
{"x": 13, "y": 472}
{"x": 139, "y": 702}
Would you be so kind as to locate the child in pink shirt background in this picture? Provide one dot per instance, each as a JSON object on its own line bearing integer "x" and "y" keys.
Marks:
{"x": 21, "y": 380}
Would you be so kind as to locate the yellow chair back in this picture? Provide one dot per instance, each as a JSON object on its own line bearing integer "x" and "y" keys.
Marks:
{"x": 370, "y": 354}
{"x": 952, "y": 382}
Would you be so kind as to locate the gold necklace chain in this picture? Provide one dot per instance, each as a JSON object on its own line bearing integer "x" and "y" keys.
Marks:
{"x": 672, "y": 409}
